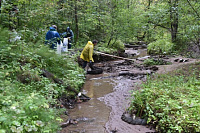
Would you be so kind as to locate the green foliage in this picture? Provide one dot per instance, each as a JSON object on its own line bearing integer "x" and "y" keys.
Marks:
{"x": 104, "y": 48}
{"x": 160, "y": 46}
{"x": 188, "y": 23}
{"x": 118, "y": 44}
{"x": 102, "y": 20}
{"x": 158, "y": 14}
{"x": 169, "y": 102}
{"x": 27, "y": 98}
{"x": 152, "y": 61}
{"x": 62, "y": 66}
{"x": 114, "y": 47}
{"x": 25, "y": 112}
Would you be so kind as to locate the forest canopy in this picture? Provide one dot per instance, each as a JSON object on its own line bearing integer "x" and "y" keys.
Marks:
{"x": 130, "y": 20}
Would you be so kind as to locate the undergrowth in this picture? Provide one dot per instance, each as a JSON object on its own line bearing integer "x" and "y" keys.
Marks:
{"x": 160, "y": 46}
{"x": 152, "y": 61}
{"x": 28, "y": 100}
{"x": 114, "y": 47}
{"x": 170, "y": 101}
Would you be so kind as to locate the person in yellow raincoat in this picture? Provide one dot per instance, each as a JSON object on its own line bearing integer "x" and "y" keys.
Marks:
{"x": 87, "y": 54}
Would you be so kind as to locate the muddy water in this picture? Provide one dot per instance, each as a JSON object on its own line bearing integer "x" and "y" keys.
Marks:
{"x": 95, "y": 109}
{"x": 119, "y": 101}
{"x": 110, "y": 97}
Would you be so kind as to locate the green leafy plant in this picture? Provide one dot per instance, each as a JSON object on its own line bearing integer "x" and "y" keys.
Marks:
{"x": 152, "y": 61}
{"x": 160, "y": 46}
{"x": 170, "y": 102}
{"x": 114, "y": 47}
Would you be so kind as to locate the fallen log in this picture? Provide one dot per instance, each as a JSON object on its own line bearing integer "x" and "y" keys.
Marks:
{"x": 114, "y": 56}
{"x": 52, "y": 77}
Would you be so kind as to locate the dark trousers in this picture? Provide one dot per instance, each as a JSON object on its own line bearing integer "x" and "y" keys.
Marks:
{"x": 84, "y": 64}
{"x": 69, "y": 45}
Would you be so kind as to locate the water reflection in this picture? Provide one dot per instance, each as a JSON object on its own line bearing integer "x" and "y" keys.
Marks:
{"x": 95, "y": 109}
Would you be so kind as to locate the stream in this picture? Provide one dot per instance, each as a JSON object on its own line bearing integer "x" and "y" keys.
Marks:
{"x": 110, "y": 95}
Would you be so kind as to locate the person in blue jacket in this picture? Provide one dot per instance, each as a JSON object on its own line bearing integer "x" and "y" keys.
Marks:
{"x": 52, "y": 37}
{"x": 70, "y": 35}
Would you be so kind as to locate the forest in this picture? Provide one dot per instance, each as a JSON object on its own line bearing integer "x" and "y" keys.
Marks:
{"x": 28, "y": 99}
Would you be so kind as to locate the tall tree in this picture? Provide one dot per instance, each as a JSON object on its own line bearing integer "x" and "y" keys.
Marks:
{"x": 174, "y": 18}
{"x": 76, "y": 20}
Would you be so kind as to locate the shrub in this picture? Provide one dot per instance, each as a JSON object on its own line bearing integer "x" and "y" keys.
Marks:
{"x": 149, "y": 62}
{"x": 160, "y": 46}
{"x": 114, "y": 47}
{"x": 152, "y": 61}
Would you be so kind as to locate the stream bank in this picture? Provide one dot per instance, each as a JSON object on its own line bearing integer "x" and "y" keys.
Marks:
{"x": 110, "y": 94}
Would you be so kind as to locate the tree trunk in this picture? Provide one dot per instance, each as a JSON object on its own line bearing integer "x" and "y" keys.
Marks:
{"x": 174, "y": 19}
{"x": 148, "y": 7}
{"x": 0, "y": 6}
{"x": 193, "y": 9}
{"x": 76, "y": 21}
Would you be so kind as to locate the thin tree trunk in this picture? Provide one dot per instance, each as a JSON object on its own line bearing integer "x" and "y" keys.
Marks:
{"x": 148, "y": 23}
{"x": 193, "y": 8}
{"x": 76, "y": 21}
{"x": 109, "y": 40}
{"x": 174, "y": 19}
{"x": 0, "y": 6}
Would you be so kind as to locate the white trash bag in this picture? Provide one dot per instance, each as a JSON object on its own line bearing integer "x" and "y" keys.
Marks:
{"x": 59, "y": 47}
{"x": 65, "y": 45}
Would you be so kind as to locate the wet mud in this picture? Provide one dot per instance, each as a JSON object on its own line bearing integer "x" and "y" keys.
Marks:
{"x": 110, "y": 94}
{"x": 95, "y": 109}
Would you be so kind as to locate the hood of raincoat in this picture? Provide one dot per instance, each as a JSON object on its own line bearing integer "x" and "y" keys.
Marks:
{"x": 68, "y": 29}
{"x": 87, "y": 52}
{"x": 52, "y": 29}
{"x": 90, "y": 43}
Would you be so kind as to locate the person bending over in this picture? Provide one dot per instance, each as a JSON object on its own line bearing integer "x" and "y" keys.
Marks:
{"x": 87, "y": 54}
